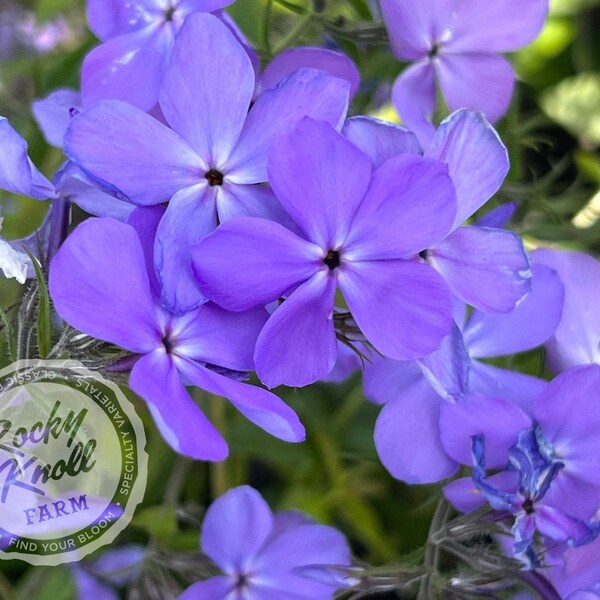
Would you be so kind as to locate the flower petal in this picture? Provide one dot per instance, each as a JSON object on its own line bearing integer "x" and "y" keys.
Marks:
{"x": 385, "y": 379}
{"x": 259, "y": 406}
{"x": 215, "y": 588}
{"x": 410, "y": 27}
{"x": 476, "y": 157}
{"x": 99, "y": 285}
{"x": 481, "y": 82}
{"x": 305, "y": 93}
{"x": 235, "y": 528}
{"x": 403, "y": 307}
{"x": 208, "y": 88}
{"x": 407, "y": 437}
{"x": 409, "y": 206}
{"x": 527, "y": 326}
{"x": 320, "y": 179}
{"x": 119, "y": 144}
{"x": 179, "y": 419}
{"x": 267, "y": 260}
{"x": 53, "y": 114}
{"x": 298, "y": 345}
{"x": 108, "y": 18}
{"x": 487, "y": 268}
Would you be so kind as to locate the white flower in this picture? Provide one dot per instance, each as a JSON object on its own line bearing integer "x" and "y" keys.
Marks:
{"x": 13, "y": 263}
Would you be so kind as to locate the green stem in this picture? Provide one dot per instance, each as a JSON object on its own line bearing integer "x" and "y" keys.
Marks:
{"x": 218, "y": 470}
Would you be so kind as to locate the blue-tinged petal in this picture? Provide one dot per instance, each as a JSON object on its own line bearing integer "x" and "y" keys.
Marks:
{"x": 298, "y": 345}
{"x": 119, "y": 144}
{"x": 404, "y": 308}
{"x": 413, "y": 96}
{"x": 380, "y": 140}
{"x": 407, "y": 436}
{"x": 99, "y": 285}
{"x": 215, "y": 588}
{"x": 481, "y": 82}
{"x": 259, "y": 406}
{"x": 53, "y": 114}
{"x": 498, "y": 217}
{"x": 179, "y": 419}
{"x": 129, "y": 67}
{"x": 476, "y": 157}
{"x": 410, "y": 25}
{"x": 558, "y": 526}
{"x": 190, "y": 217}
{"x": 527, "y": 326}
{"x": 386, "y": 379}
{"x": 108, "y": 18}
{"x": 202, "y": 5}
{"x": 320, "y": 179}
{"x": 409, "y": 206}
{"x": 249, "y": 262}
{"x": 305, "y": 93}
{"x": 208, "y": 88}
{"x": 499, "y": 420}
{"x": 235, "y": 528}
{"x": 447, "y": 369}
{"x": 465, "y": 496}
{"x": 89, "y": 586}
{"x": 216, "y": 336}
{"x": 576, "y": 340}
{"x": 487, "y": 268}
{"x": 120, "y": 565}
{"x": 17, "y": 173}
{"x": 293, "y": 59}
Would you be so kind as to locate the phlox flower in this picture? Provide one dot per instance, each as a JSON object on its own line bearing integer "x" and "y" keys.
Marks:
{"x": 263, "y": 555}
{"x": 102, "y": 282}
{"x": 208, "y": 165}
{"x": 456, "y": 45}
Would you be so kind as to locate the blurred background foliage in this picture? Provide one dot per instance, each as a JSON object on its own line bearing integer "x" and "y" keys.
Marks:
{"x": 553, "y": 135}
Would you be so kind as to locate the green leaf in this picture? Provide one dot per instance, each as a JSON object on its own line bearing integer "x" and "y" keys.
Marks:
{"x": 44, "y": 321}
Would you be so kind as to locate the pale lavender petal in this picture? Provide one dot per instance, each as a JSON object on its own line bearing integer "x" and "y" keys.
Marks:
{"x": 293, "y": 59}
{"x": 191, "y": 215}
{"x": 386, "y": 379}
{"x": 476, "y": 157}
{"x": 499, "y": 420}
{"x": 239, "y": 35}
{"x": 120, "y": 144}
{"x": 577, "y": 337}
{"x": 108, "y": 18}
{"x": 259, "y": 406}
{"x": 179, "y": 419}
{"x": 413, "y": 96}
{"x": 492, "y": 26}
{"x": 465, "y": 496}
{"x": 286, "y": 520}
{"x": 89, "y": 587}
{"x": 347, "y": 363}
{"x": 409, "y": 206}
{"x": 581, "y": 569}
{"x": 235, "y": 528}
{"x": 568, "y": 413}
{"x": 528, "y": 325}
{"x": 215, "y": 588}
{"x": 403, "y": 308}
{"x": 494, "y": 382}
{"x": 481, "y": 82}
{"x": 269, "y": 260}
{"x": 576, "y": 497}
{"x": 380, "y": 140}
{"x": 120, "y": 565}
{"x": 410, "y": 25}
{"x": 74, "y": 185}
{"x": 447, "y": 369}
{"x": 559, "y": 526}
{"x": 203, "y": 5}
{"x": 129, "y": 67}
{"x": 320, "y": 179}
{"x": 208, "y": 88}
{"x": 298, "y": 345}
{"x": 216, "y": 336}
{"x": 305, "y": 93}
{"x": 53, "y": 114}
{"x": 17, "y": 173}
{"x": 407, "y": 437}
{"x": 99, "y": 285}
{"x": 498, "y": 217}
{"x": 486, "y": 268}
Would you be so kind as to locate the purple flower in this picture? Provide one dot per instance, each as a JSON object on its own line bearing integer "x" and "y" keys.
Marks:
{"x": 138, "y": 41}
{"x": 209, "y": 164}
{"x": 576, "y": 340}
{"x": 424, "y": 398}
{"x": 264, "y": 558}
{"x": 456, "y": 45}
{"x": 53, "y": 114}
{"x": 103, "y": 283}
{"x": 485, "y": 267}
{"x": 356, "y": 229}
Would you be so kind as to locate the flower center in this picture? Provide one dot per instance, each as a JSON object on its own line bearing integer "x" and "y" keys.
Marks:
{"x": 214, "y": 177}
{"x": 168, "y": 344}
{"x": 170, "y": 14}
{"x": 528, "y": 506}
{"x": 242, "y": 582}
{"x": 332, "y": 260}
{"x": 435, "y": 50}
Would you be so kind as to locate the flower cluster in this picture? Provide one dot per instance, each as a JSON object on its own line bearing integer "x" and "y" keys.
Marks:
{"x": 241, "y": 222}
